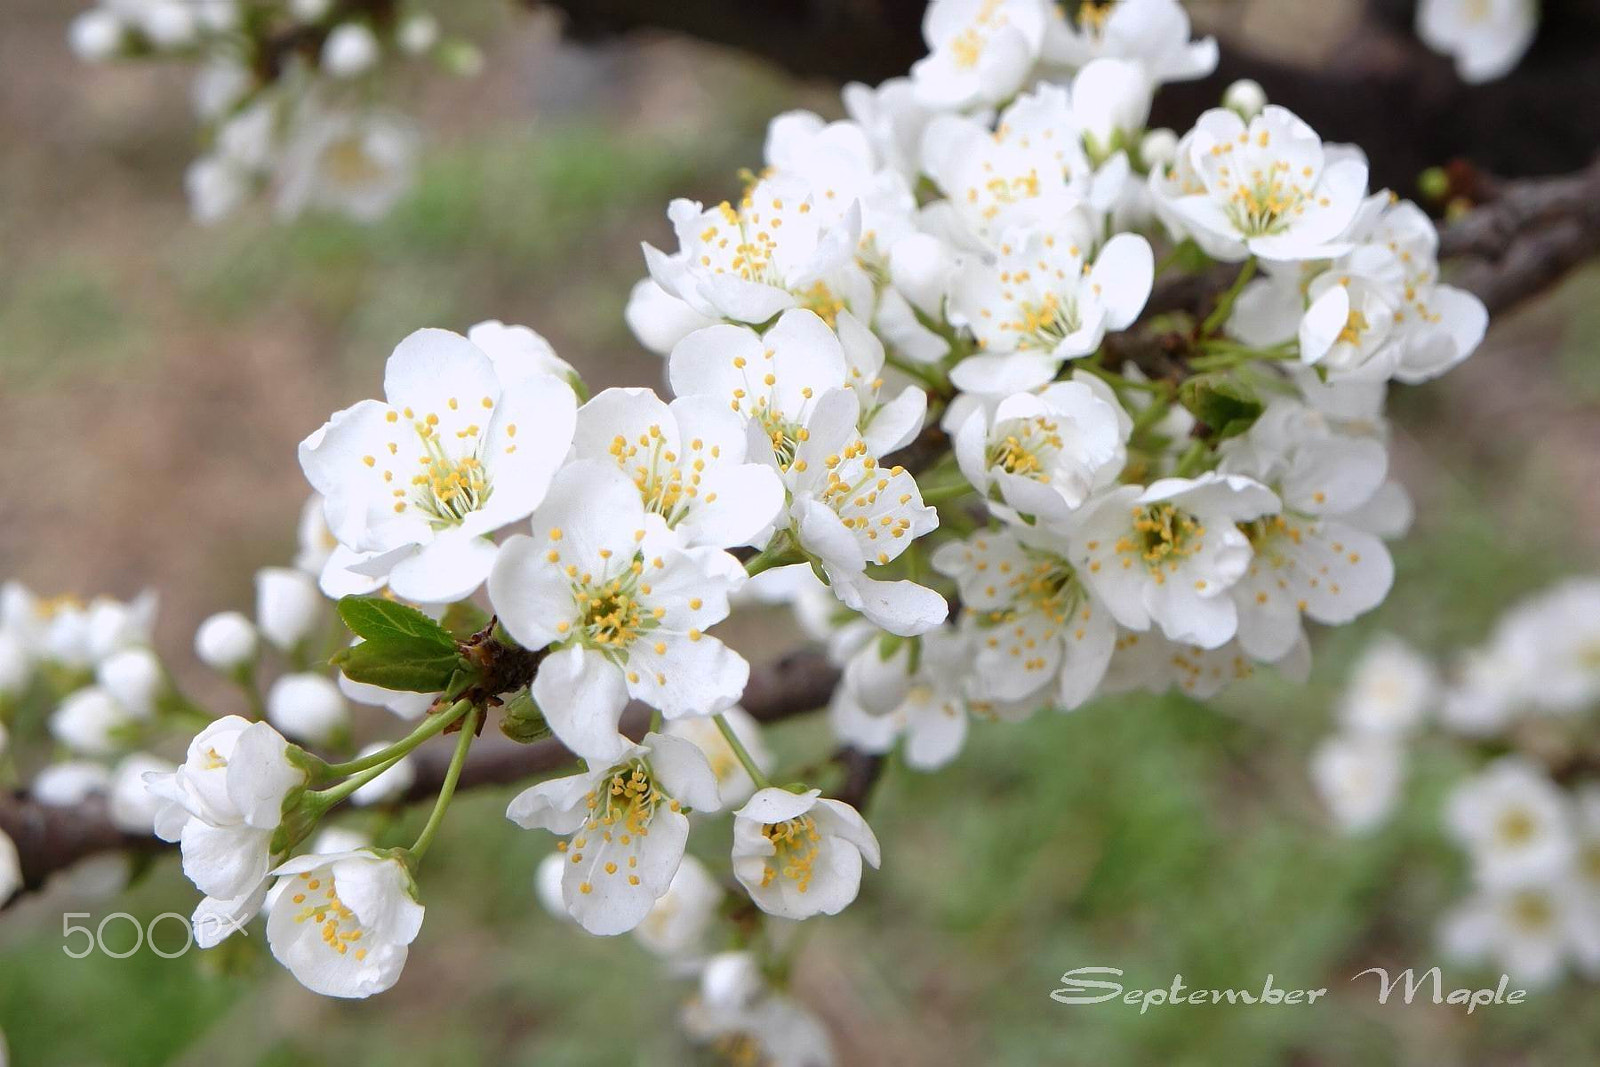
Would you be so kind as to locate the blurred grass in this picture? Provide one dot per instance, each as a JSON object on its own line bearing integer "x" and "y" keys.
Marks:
{"x": 1156, "y": 835}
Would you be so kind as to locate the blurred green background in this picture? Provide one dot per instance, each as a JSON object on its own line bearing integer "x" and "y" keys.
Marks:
{"x": 155, "y": 377}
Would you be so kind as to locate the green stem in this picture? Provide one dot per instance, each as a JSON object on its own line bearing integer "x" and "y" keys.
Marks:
{"x": 1219, "y": 314}
{"x": 448, "y": 789}
{"x": 942, "y": 494}
{"x": 739, "y": 750}
{"x": 246, "y": 679}
{"x": 1189, "y": 463}
{"x": 432, "y": 725}
{"x": 778, "y": 553}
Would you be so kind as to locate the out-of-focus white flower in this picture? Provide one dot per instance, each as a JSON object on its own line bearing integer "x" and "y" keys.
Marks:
{"x": 1246, "y": 97}
{"x": 799, "y": 855}
{"x": 308, "y": 707}
{"x": 457, "y": 451}
{"x": 1358, "y": 777}
{"x": 69, "y": 783}
{"x": 677, "y": 924}
{"x": 350, "y": 50}
{"x": 1111, "y": 101}
{"x": 733, "y": 781}
{"x": 358, "y": 164}
{"x": 418, "y": 33}
{"x": 980, "y": 51}
{"x": 93, "y": 723}
{"x": 930, "y": 711}
{"x": 1391, "y": 688}
{"x": 388, "y": 785}
{"x": 1514, "y": 823}
{"x": 10, "y": 882}
{"x": 16, "y": 666}
{"x": 95, "y": 35}
{"x": 289, "y": 606}
{"x": 134, "y": 678}
{"x": 627, "y": 828}
{"x": 625, "y": 606}
{"x": 1530, "y": 930}
{"x": 1485, "y": 37}
{"x": 226, "y": 642}
{"x": 133, "y": 807}
{"x": 1153, "y": 32}
{"x": 343, "y": 923}
{"x": 737, "y": 1009}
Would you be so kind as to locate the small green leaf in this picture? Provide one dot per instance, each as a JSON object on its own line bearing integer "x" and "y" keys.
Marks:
{"x": 408, "y": 666}
{"x": 383, "y": 621}
{"x": 463, "y": 619}
{"x": 1226, "y": 405}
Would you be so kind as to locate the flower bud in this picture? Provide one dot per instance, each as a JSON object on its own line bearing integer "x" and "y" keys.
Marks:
{"x": 418, "y": 34}
{"x": 66, "y": 785}
{"x": 15, "y": 667}
{"x": 350, "y": 50}
{"x": 90, "y": 722}
{"x": 1159, "y": 147}
{"x": 226, "y": 641}
{"x": 134, "y": 679}
{"x": 1246, "y": 97}
{"x": 133, "y": 807}
{"x": 289, "y": 606}
{"x": 95, "y": 35}
{"x": 309, "y": 10}
{"x": 388, "y": 785}
{"x": 308, "y": 707}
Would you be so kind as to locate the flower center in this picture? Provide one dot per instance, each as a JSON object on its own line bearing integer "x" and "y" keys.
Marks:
{"x": 1048, "y": 321}
{"x": 820, "y": 299}
{"x": 320, "y": 904}
{"x": 1515, "y": 827}
{"x": 657, "y": 471}
{"x": 612, "y": 617}
{"x": 347, "y": 163}
{"x": 1026, "y": 447}
{"x": 1162, "y": 537}
{"x": 1532, "y": 911}
{"x": 797, "y": 844}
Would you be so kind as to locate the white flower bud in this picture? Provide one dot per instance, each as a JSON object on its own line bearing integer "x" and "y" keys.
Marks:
{"x": 16, "y": 668}
{"x": 307, "y": 707}
{"x": 66, "y": 785}
{"x": 134, "y": 679}
{"x": 226, "y": 641}
{"x": 289, "y": 606}
{"x": 388, "y": 785}
{"x": 133, "y": 807}
{"x": 95, "y": 35}
{"x": 167, "y": 23}
{"x": 1246, "y": 97}
{"x": 1159, "y": 147}
{"x": 309, "y": 10}
{"x": 90, "y": 722}
{"x": 350, "y": 50}
{"x": 215, "y": 187}
{"x": 418, "y": 34}
{"x": 10, "y": 882}
{"x": 547, "y": 885}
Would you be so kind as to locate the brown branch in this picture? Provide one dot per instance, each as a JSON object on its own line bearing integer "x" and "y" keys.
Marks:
{"x": 51, "y": 839}
{"x": 1381, "y": 88}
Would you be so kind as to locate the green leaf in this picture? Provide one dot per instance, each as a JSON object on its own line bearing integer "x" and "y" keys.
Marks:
{"x": 1226, "y": 405}
{"x": 463, "y": 619}
{"x": 385, "y": 622}
{"x": 408, "y": 666}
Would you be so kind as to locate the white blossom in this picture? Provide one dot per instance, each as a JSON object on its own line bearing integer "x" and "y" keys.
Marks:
{"x": 289, "y": 606}
{"x": 343, "y": 923}
{"x": 625, "y": 826}
{"x": 1358, "y": 777}
{"x": 623, "y": 603}
{"x": 733, "y": 781}
{"x": 308, "y": 707}
{"x": 350, "y": 49}
{"x": 226, "y": 641}
{"x": 1153, "y": 32}
{"x": 1485, "y": 37}
{"x": 980, "y": 51}
{"x": 358, "y": 164}
{"x": 132, "y": 806}
{"x": 1391, "y": 688}
{"x": 1514, "y": 823}
{"x": 799, "y": 855}
{"x": 456, "y": 451}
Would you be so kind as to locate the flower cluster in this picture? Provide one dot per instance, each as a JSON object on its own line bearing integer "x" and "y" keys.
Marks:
{"x": 282, "y": 92}
{"x": 1528, "y": 818}
{"x": 916, "y": 393}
